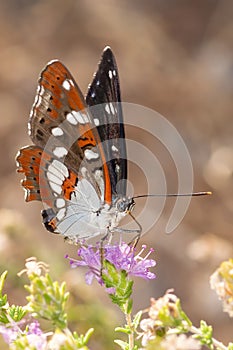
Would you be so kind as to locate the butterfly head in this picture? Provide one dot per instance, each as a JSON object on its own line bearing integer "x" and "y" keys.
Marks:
{"x": 125, "y": 204}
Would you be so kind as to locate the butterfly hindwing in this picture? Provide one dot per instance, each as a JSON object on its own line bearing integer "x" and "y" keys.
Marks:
{"x": 28, "y": 162}
{"x": 69, "y": 200}
{"x": 46, "y": 178}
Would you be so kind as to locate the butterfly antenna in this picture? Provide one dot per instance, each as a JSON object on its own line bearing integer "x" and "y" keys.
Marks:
{"x": 193, "y": 194}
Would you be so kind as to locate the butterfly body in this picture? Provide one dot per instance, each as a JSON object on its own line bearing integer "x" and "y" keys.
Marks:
{"x": 77, "y": 166}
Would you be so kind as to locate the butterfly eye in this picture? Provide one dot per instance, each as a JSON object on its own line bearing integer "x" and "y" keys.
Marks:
{"x": 121, "y": 205}
{"x": 125, "y": 204}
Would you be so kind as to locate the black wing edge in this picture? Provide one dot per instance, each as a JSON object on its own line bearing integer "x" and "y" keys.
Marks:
{"x": 104, "y": 89}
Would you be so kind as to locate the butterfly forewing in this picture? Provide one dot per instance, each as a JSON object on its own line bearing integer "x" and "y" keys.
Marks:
{"x": 104, "y": 95}
{"x": 61, "y": 123}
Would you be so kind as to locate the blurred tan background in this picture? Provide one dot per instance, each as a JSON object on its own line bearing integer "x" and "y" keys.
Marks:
{"x": 175, "y": 57}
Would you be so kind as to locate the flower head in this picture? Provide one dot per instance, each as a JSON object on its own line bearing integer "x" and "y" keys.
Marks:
{"x": 122, "y": 256}
{"x": 165, "y": 314}
{"x": 180, "y": 342}
{"x": 34, "y": 328}
{"x": 222, "y": 282}
{"x": 9, "y": 334}
{"x": 32, "y": 266}
{"x": 32, "y": 334}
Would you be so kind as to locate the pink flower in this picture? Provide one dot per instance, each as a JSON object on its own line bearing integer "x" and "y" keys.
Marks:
{"x": 122, "y": 256}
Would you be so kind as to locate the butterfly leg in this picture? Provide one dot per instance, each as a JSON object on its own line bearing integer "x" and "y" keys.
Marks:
{"x": 138, "y": 232}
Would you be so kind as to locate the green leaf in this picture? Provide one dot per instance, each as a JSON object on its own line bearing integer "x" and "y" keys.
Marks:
{"x": 120, "y": 282}
{"x": 17, "y": 312}
{"x": 123, "y": 345}
{"x": 87, "y": 336}
{"x": 123, "y": 330}
{"x": 3, "y": 301}
{"x": 137, "y": 319}
{"x": 3, "y": 317}
{"x": 2, "y": 281}
{"x": 129, "y": 306}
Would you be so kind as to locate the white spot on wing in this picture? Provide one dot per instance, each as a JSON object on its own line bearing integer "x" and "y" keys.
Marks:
{"x": 71, "y": 119}
{"x": 61, "y": 213}
{"x": 80, "y": 117}
{"x": 98, "y": 174}
{"x": 57, "y": 131}
{"x": 107, "y": 109}
{"x": 56, "y": 188}
{"x": 93, "y": 94}
{"x": 111, "y": 108}
{"x": 60, "y": 203}
{"x": 57, "y": 179}
{"x": 89, "y": 154}
{"x": 114, "y": 72}
{"x": 110, "y": 74}
{"x": 60, "y": 152}
{"x": 96, "y": 121}
{"x": 67, "y": 84}
{"x": 114, "y": 148}
{"x": 57, "y": 168}
{"x": 29, "y": 125}
{"x": 83, "y": 171}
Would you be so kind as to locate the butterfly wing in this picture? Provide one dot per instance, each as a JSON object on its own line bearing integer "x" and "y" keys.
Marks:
{"x": 60, "y": 124}
{"x": 63, "y": 168}
{"x": 70, "y": 201}
{"x": 68, "y": 168}
{"x": 104, "y": 95}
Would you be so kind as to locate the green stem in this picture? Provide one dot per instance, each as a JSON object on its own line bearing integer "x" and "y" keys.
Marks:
{"x": 216, "y": 343}
{"x": 130, "y": 325}
{"x": 131, "y": 334}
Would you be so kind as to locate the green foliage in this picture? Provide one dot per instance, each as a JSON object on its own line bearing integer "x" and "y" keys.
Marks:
{"x": 171, "y": 315}
{"x": 122, "y": 286}
{"x": 16, "y": 312}
{"x": 47, "y": 299}
{"x": 206, "y": 334}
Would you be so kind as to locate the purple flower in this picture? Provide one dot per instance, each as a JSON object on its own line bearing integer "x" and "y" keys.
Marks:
{"x": 33, "y": 333}
{"x": 34, "y": 328}
{"x": 122, "y": 256}
{"x": 9, "y": 334}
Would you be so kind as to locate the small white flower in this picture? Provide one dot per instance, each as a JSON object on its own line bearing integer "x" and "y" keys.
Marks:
{"x": 157, "y": 304}
{"x": 57, "y": 341}
{"x": 38, "y": 341}
{"x": 34, "y": 267}
{"x": 221, "y": 282}
{"x": 147, "y": 325}
{"x": 180, "y": 342}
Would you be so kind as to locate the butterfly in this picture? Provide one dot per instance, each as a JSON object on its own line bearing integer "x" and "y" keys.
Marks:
{"x": 77, "y": 165}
